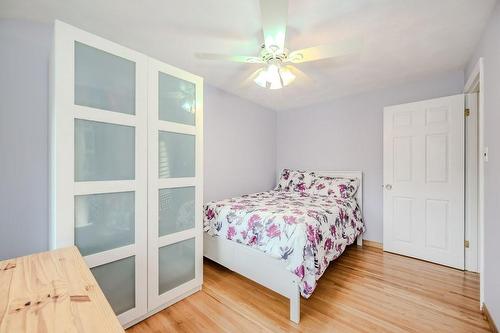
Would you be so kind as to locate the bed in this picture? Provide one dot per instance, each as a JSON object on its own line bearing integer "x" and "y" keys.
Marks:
{"x": 284, "y": 239}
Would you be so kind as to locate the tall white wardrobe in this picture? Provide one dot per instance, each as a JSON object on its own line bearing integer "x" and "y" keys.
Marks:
{"x": 126, "y": 170}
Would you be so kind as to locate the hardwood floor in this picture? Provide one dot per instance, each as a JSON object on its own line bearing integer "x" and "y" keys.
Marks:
{"x": 365, "y": 290}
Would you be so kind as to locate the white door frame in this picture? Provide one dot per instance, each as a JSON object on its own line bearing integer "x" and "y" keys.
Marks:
{"x": 471, "y": 182}
{"x": 476, "y": 80}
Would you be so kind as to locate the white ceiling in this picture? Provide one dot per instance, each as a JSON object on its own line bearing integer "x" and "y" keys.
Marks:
{"x": 404, "y": 40}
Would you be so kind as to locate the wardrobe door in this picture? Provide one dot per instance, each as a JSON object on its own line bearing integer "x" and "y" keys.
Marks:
{"x": 99, "y": 163}
{"x": 175, "y": 207}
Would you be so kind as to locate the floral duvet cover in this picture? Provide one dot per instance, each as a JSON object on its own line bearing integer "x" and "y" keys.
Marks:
{"x": 306, "y": 231}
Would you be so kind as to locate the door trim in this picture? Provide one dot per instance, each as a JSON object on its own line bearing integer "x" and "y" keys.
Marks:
{"x": 475, "y": 81}
{"x": 471, "y": 183}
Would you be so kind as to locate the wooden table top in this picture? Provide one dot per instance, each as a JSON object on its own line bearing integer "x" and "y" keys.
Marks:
{"x": 52, "y": 292}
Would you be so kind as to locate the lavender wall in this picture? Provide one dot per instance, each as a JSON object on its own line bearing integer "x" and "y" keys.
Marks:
{"x": 24, "y": 53}
{"x": 346, "y": 134}
{"x": 489, "y": 48}
{"x": 240, "y": 146}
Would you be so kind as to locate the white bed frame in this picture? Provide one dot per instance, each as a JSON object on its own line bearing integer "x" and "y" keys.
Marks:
{"x": 262, "y": 268}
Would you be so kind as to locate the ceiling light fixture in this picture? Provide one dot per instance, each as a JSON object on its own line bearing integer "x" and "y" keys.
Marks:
{"x": 278, "y": 63}
{"x": 274, "y": 76}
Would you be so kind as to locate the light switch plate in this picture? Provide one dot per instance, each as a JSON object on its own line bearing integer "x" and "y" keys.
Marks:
{"x": 485, "y": 154}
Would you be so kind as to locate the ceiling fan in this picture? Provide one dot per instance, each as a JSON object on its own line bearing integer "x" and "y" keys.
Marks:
{"x": 278, "y": 70}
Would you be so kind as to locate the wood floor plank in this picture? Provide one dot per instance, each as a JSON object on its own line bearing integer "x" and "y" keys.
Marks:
{"x": 365, "y": 290}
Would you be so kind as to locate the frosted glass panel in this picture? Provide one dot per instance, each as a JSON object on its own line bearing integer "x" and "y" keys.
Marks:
{"x": 176, "y": 99}
{"x": 176, "y": 265}
{"x": 103, "y": 80}
{"x": 117, "y": 281}
{"x": 104, "y": 151}
{"x": 176, "y": 209}
{"x": 176, "y": 155}
{"x": 104, "y": 221}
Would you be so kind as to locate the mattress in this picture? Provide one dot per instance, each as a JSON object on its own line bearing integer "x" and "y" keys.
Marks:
{"x": 306, "y": 231}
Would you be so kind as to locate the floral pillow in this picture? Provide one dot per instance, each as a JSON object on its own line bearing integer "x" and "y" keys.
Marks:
{"x": 342, "y": 188}
{"x": 284, "y": 181}
{"x": 295, "y": 180}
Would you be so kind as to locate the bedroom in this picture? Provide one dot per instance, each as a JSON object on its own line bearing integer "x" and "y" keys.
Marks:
{"x": 344, "y": 144}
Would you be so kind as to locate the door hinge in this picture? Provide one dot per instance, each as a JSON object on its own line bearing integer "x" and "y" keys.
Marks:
{"x": 466, "y": 244}
{"x": 467, "y": 112}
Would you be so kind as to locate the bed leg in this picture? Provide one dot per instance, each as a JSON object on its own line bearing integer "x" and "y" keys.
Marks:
{"x": 295, "y": 305}
{"x": 359, "y": 240}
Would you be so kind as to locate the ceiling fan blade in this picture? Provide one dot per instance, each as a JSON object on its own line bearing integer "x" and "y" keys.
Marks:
{"x": 274, "y": 19}
{"x": 223, "y": 57}
{"x": 342, "y": 48}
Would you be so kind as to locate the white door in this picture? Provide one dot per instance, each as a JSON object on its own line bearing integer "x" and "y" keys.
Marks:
{"x": 175, "y": 202}
{"x": 424, "y": 180}
{"x": 99, "y": 169}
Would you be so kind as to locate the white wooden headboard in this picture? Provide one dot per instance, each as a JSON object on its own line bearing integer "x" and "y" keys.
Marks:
{"x": 343, "y": 174}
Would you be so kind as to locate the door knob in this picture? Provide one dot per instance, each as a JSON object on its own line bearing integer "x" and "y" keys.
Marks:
{"x": 388, "y": 187}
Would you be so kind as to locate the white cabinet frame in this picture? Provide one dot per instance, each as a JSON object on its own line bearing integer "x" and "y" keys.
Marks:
{"x": 155, "y": 301}
{"x": 146, "y": 184}
{"x": 63, "y": 186}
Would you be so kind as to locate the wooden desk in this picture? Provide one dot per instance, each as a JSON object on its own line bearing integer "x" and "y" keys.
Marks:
{"x": 52, "y": 292}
